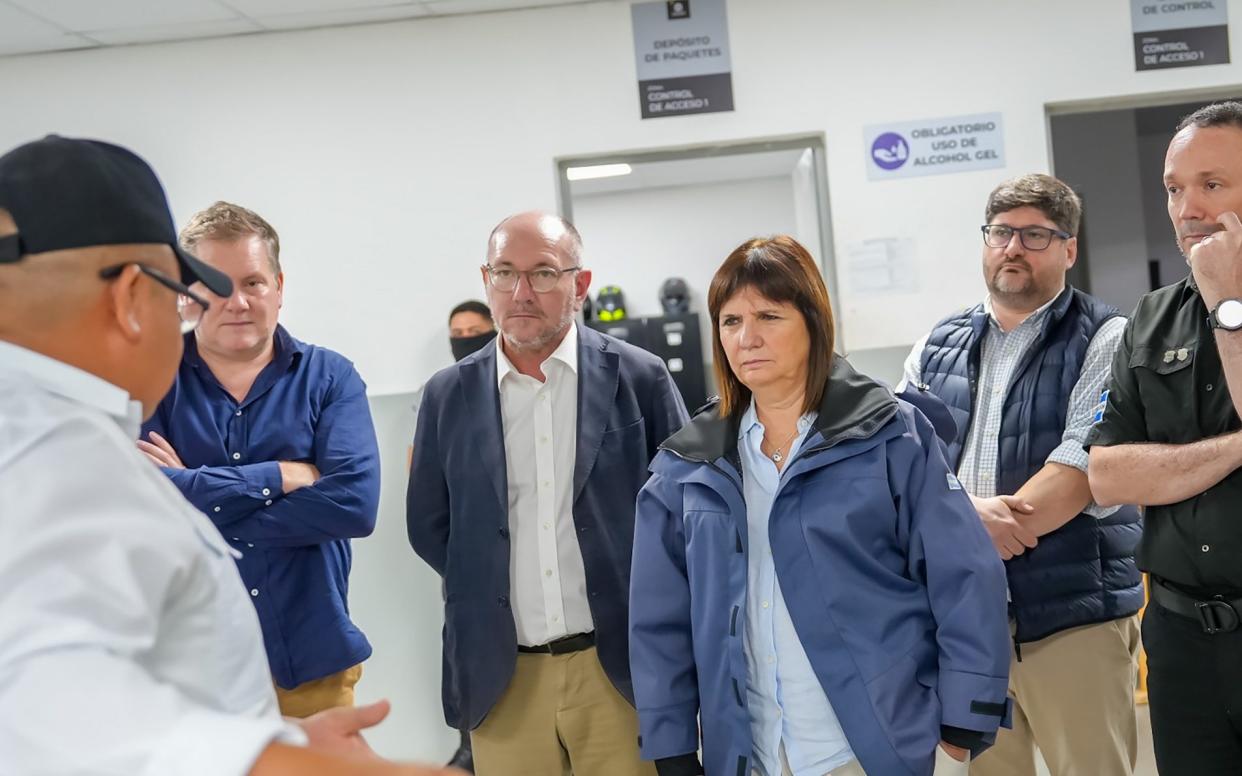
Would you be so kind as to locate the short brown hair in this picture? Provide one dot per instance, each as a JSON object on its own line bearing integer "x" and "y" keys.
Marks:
{"x": 1218, "y": 114}
{"x": 1053, "y": 197}
{"x": 228, "y": 222}
{"x": 779, "y": 269}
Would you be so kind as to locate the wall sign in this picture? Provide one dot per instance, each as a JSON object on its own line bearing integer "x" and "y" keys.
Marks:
{"x": 682, "y": 51}
{"x": 934, "y": 146}
{"x": 1179, "y": 33}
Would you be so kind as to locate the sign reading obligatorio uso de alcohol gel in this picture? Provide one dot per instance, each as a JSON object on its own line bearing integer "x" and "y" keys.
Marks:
{"x": 1179, "y": 33}
{"x": 682, "y": 51}
{"x": 934, "y": 146}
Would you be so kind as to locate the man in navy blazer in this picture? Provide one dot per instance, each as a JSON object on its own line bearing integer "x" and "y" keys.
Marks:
{"x": 528, "y": 457}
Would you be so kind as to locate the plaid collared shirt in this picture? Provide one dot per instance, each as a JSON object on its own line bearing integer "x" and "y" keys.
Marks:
{"x": 1000, "y": 354}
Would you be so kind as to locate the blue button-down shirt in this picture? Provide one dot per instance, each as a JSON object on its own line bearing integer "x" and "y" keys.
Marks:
{"x": 786, "y": 701}
{"x": 308, "y": 404}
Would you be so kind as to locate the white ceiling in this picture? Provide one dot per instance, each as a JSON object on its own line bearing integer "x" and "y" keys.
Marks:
{"x": 28, "y": 26}
{"x": 693, "y": 171}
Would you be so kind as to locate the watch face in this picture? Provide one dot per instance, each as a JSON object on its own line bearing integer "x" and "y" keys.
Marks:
{"x": 1229, "y": 314}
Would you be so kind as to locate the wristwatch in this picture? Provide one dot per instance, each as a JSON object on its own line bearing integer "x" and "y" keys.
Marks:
{"x": 1227, "y": 315}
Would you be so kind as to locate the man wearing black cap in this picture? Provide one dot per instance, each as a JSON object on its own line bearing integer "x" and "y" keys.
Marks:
{"x": 127, "y": 644}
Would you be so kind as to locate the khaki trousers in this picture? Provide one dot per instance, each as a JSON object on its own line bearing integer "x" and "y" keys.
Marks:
{"x": 319, "y": 694}
{"x": 560, "y": 715}
{"x": 1073, "y": 698}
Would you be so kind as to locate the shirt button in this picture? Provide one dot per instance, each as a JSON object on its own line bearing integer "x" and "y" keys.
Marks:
{"x": 771, "y": 659}
{"x": 236, "y": 456}
{"x": 765, "y": 604}
{"x": 547, "y": 526}
{"x": 215, "y": 509}
{"x": 504, "y": 532}
{"x": 267, "y": 503}
{"x": 547, "y": 572}
{"x": 248, "y": 544}
{"x": 503, "y": 601}
{"x": 267, "y": 491}
{"x": 1206, "y": 548}
{"x": 556, "y": 618}
{"x": 254, "y": 591}
{"x": 1208, "y": 386}
{"x": 545, "y": 439}
{"x": 238, "y": 413}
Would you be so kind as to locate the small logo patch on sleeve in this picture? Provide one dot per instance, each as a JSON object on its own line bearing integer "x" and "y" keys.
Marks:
{"x": 1099, "y": 408}
{"x": 953, "y": 482}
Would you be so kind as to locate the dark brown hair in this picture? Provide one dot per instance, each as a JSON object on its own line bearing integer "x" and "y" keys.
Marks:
{"x": 1056, "y": 200}
{"x": 780, "y": 269}
{"x": 1218, "y": 114}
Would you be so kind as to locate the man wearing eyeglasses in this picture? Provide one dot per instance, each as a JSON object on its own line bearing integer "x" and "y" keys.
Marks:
{"x": 272, "y": 439}
{"x": 127, "y": 643}
{"x": 1022, "y": 373}
{"x": 528, "y": 457}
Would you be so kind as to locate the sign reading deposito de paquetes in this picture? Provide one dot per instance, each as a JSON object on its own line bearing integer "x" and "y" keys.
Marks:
{"x": 934, "y": 146}
{"x": 682, "y": 55}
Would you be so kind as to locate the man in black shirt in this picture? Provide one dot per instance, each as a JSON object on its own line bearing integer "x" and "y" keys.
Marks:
{"x": 1167, "y": 437}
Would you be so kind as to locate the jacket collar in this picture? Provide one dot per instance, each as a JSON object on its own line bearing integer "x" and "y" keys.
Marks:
{"x": 598, "y": 370}
{"x": 854, "y": 407}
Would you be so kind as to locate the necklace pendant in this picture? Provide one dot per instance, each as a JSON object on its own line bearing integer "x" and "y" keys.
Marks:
{"x": 777, "y": 456}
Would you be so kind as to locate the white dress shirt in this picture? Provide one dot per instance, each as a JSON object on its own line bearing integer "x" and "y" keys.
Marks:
{"x": 547, "y": 580}
{"x": 128, "y": 645}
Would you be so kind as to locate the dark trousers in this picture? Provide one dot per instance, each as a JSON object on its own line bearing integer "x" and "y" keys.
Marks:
{"x": 1194, "y": 688}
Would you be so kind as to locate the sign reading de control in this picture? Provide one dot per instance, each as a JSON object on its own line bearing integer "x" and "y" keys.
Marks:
{"x": 683, "y": 58}
{"x": 934, "y": 146}
{"x": 1179, "y": 33}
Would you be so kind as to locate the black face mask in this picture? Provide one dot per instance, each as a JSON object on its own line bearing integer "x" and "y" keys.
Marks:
{"x": 464, "y": 346}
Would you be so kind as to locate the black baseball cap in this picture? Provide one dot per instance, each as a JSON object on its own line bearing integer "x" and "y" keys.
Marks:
{"x": 69, "y": 193}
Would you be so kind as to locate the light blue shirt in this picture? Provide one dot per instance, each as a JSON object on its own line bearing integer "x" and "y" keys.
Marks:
{"x": 787, "y": 704}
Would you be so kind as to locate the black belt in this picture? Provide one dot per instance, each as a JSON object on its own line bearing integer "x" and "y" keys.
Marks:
{"x": 575, "y": 643}
{"x": 1216, "y": 615}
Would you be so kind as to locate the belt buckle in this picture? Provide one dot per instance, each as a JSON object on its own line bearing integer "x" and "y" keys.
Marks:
{"x": 1217, "y": 616}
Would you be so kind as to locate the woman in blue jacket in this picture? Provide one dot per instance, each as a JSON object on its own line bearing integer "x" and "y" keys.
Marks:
{"x": 811, "y": 587}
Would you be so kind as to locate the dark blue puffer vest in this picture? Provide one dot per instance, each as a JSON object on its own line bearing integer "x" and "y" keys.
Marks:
{"x": 1084, "y": 572}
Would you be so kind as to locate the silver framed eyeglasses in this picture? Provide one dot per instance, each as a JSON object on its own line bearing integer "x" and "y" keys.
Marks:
{"x": 190, "y": 306}
{"x": 1033, "y": 238}
{"x": 541, "y": 279}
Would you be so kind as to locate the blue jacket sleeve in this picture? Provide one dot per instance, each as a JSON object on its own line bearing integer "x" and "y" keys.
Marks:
{"x": 951, "y": 554}
{"x": 426, "y": 496}
{"x": 225, "y": 493}
{"x": 666, "y": 690}
{"x": 344, "y": 502}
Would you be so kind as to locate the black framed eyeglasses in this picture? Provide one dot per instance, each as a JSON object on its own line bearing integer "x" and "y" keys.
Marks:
{"x": 1033, "y": 238}
{"x": 541, "y": 279}
{"x": 190, "y": 306}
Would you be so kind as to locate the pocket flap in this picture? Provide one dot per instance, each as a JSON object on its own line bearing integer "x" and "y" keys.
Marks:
{"x": 1164, "y": 361}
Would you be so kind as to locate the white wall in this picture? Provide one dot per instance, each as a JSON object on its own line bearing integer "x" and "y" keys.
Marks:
{"x": 385, "y": 153}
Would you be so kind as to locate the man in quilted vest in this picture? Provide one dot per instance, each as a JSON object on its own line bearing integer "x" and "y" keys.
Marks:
{"x": 1022, "y": 372}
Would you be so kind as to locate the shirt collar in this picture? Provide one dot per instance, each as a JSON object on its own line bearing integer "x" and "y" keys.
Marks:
{"x": 1034, "y": 317}
{"x": 285, "y": 350}
{"x": 74, "y": 384}
{"x": 750, "y": 420}
{"x": 566, "y": 353}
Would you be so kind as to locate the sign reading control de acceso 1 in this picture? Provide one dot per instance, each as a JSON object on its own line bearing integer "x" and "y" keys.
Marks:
{"x": 934, "y": 146}
{"x": 682, "y": 52}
